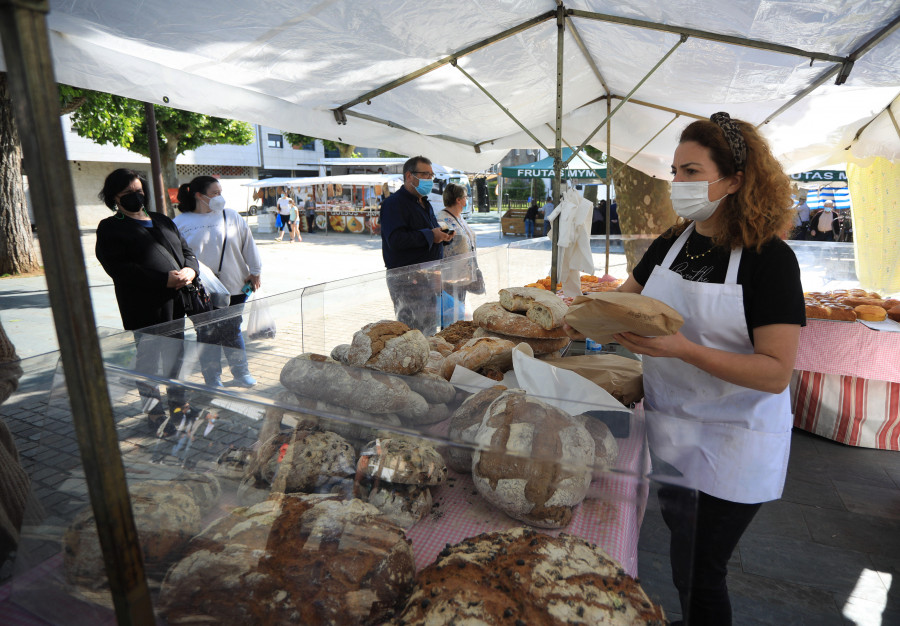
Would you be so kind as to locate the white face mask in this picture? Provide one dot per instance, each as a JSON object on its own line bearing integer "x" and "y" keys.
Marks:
{"x": 217, "y": 204}
{"x": 691, "y": 200}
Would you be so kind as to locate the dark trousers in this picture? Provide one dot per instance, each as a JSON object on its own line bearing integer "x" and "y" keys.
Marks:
{"x": 223, "y": 334}
{"x": 310, "y": 223}
{"x": 415, "y": 296}
{"x": 159, "y": 356}
{"x": 703, "y": 539}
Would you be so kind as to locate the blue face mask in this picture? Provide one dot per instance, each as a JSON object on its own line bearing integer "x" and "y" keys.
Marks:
{"x": 424, "y": 186}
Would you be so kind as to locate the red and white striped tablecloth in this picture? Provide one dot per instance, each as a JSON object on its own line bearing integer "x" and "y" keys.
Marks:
{"x": 609, "y": 517}
{"x": 846, "y": 384}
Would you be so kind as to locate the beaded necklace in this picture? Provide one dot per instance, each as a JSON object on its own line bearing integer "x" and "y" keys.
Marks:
{"x": 694, "y": 257}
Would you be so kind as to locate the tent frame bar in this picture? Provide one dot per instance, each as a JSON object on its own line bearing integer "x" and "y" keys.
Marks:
{"x": 35, "y": 98}
{"x": 557, "y": 152}
{"x": 641, "y": 149}
{"x": 626, "y": 98}
{"x": 378, "y": 120}
{"x": 711, "y": 36}
{"x": 497, "y": 102}
{"x": 475, "y": 47}
{"x": 587, "y": 55}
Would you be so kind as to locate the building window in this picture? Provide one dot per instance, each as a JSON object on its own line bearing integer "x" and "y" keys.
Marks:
{"x": 275, "y": 141}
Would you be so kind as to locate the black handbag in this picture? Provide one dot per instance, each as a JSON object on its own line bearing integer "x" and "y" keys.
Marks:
{"x": 195, "y": 298}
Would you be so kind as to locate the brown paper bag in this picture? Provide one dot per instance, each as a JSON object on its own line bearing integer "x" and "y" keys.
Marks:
{"x": 620, "y": 376}
{"x": 599, "y": 316}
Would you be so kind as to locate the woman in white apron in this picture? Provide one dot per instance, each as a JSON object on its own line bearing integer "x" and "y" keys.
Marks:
{"x": 717, "y": 399}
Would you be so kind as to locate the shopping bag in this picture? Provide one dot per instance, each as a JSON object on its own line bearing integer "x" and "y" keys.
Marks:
{"x": 278, "y": 220}
{"x": 219, "y": 297}
{"x": 450, "y": 309}
{"x": 260, "y": 323}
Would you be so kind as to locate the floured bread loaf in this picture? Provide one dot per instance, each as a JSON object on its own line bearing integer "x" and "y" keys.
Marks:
{"x": 435, "y": 389}
{"x": 313, "y": 462}
{"x": 320, "y": 377}
{"x": 493, "y": 316}
{"x": 166, "y": 513}
{"x": 539, "y": 305}
{"x": 293, "y": 559}
{"x": 606, "y": 448}
{"x": 485, "y": 355}
{"x": 464, "y": 424}
{"x": 521, "y": 576}
{"x": 440, "y": 344}
{"x": 340, "y": 352}
{"x": 538, "y": 346}
{"x": 537, "y": 464}
{"x": 389, "y": 346}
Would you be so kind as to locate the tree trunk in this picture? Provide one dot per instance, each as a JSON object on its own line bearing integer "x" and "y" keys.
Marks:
{"x": 168, "y": 152}
{"x": 17, "y": 250}
{"x": 645, "y": 209}
{"x": 346, "y": 150}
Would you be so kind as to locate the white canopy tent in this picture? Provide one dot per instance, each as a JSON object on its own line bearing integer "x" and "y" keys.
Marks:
{"x": 419, "y": 78}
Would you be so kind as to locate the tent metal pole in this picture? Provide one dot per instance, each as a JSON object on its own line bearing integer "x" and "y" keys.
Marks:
{"x": 502, "y": 108}
{"x": 378, "y": 120}
{"x": 608, "y": 179}
{"x": 587, "y": 55}
{"x": 159, "y": 195}
{"x": 627, "y": 97}
{"x": 641, "y": 149}
{"x": 557, "y": 153}
{"x": 650, "y": 105}
{"x": 33, "y": 91}
{"x": 539, "y": 19}
{"x": 708, "y": 35}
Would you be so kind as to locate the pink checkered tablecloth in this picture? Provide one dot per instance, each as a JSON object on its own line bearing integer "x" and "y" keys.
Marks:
{"x": 849, "y": 349}
{"x": 609, "y": 517}
{"x": 846, "y": 384}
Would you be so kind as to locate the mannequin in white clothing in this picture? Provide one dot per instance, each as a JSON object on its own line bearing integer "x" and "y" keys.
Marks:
{"x": 716, "y": 392}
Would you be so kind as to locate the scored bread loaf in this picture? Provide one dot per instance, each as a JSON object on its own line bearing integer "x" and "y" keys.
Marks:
{"x": 492, "y": 316}
{"x": 479, "y": 355}
{"x": 464, "y": 424}
{"x": 389, "y": 346}
{"x": 540, "y": 306}
{"x": 322, "y": 378}
{"x": 535, "y": 462}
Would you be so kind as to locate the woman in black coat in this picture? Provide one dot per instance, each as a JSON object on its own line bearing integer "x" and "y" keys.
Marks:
{"x": 149, "y": 263}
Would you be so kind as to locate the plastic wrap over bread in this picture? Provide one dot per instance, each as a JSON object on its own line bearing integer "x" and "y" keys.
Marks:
{"x": 599, "y": 316}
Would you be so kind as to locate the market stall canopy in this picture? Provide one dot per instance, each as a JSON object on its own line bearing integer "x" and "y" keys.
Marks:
{"x": 424, "y": 78}
{"x": 581, "y": 167}
{"x": 815, "y": 198}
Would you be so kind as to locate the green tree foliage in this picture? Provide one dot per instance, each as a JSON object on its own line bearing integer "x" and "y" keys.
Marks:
{"x": 346, "y": 150}
{"x": 110, "y": 119}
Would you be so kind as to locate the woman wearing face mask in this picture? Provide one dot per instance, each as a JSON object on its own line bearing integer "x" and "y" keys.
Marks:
{"x": 149, "y": 262}
{"x": 716, "y": 392}
{"x": 222, "y": 240}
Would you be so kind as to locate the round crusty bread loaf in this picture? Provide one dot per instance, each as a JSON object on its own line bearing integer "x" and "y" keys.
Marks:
{"x": 539, "y": 305}
{"x": 464, "y": 424}
{"x": 538, "y": 346}
{"x": 521, "y": 576}
{"x": 389, "y": 346}
{"x": 166, "y": 513}
{"x": 606, "y": 448}
{"x": 441, "y": 345}
{"x": 536, "y": 466}
{"x": 293, "y": 559}
{"x": 480, "y": 355}
{"x": 494, "y": 317}
{"x": 314, "y": 462}
{"x": 320, "y": 377}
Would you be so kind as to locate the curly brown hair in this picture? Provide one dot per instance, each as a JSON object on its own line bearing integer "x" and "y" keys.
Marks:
{"x": 761, "y": 208}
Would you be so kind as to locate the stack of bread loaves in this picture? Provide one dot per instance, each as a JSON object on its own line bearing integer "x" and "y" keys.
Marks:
{"x": 524, "y": 314}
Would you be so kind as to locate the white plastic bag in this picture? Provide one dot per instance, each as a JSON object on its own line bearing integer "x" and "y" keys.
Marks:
{"x": 218, "y": 293}
{"x": 261, "y": 323}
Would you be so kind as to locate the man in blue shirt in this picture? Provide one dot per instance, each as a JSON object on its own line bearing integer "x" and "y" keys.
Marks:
{"x": 410, "y": 235}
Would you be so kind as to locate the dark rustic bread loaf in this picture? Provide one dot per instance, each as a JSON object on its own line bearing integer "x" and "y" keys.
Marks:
{"x": 293, "y": 559}
{"x": 322, "y": 378}
{"x": 389, "y": 346}
{"x": 536, "y": 466}
{"x": 493, "y": 316}
{"x": 464, "y": 423}
{"x": 521, "y": 576}
{"x": 313, "y": 462}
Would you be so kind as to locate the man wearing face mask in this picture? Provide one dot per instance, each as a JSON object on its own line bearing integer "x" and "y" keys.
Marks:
{"x": 410, "y": 235}
{"x": 223, "y": 242}
{"x": 717, "y": 402}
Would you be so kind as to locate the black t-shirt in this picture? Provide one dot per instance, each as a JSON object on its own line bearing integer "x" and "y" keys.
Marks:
{"x": 773, "y": 293}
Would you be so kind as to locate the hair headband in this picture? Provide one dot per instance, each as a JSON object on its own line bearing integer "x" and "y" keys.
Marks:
{"x": 734, "y": 138}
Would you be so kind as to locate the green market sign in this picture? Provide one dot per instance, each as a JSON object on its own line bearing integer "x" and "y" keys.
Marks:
{"x": 824, "y": 176}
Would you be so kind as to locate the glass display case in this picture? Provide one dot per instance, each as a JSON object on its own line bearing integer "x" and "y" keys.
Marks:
{"x": 324, "y": 495}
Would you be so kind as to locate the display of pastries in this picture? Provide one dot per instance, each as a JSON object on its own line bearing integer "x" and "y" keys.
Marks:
{"x": 847, "y": 305}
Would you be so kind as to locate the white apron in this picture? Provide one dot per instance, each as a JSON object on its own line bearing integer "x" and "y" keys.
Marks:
{"x": 728, "y": 441}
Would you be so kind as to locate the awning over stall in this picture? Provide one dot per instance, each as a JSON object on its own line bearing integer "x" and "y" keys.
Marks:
{"x": 581, "y": 167}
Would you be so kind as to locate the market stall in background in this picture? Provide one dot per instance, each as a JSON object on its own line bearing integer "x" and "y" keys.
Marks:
{"x": 348, "y": 203}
